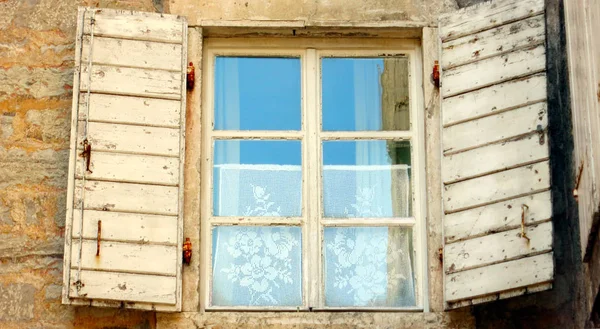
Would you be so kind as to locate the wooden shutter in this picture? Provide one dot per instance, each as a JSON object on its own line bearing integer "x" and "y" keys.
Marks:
{"x": 495, "y": 165}
{"x": 123, "y": 240}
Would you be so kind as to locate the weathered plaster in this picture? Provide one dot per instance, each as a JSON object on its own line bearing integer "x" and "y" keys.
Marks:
{"x": 311, "y": 12}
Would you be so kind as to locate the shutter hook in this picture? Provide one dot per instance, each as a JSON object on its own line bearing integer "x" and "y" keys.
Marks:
{"x": 524, "y": 208}
{"x": 87, "y": 154}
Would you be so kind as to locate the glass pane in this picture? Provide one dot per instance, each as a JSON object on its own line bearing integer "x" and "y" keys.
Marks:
{"x": 256, "y": 178}
{"x": 366, "y": 179}
{"x": 257, "y": 266}
{"x": 369, "y": 266}
{"x": 257, "y": 93}
{"x": 365, "y": 94}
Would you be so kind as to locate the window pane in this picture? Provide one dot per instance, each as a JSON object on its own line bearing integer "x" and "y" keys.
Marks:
{"x": 257, "y": 93}
{"x": 257, "y": 178}
{"x": 365, "y": 94}
{"x": 366, "y": 179}
{"x": 256, "y": 266}
{"x": 369, "y": 266}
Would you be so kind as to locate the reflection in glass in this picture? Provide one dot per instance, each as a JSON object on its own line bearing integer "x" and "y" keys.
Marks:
{"x": 365, "y": 94}
{"x": 257, "y": 93}
{"x": 256, "y": 178}
{"x": 366, "y": 179}
{"x": 369, "y": 266}
{"x": 256, "y": 266}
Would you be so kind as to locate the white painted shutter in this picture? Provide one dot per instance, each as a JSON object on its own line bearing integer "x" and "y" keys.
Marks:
{"x": 495, "y": 165}
{"x": 129, "y": 103}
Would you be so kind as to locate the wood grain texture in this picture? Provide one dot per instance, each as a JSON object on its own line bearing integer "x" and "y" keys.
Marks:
{"x": 487, "y": 15}
{"x": 494, "y": 157}
{"x": 499, "y": 127}
{"x": 493, "y": 70}
{"x": 131, "y": 139}
{"x": 132, "y": 82}
{"x": 125, "y": 257}
{"x": 135, "y": 25}
{"x": 139, "y": 198}
{"x": 500, "y": 277}
{"x": 489, "y": 43}
{"x": 582, "y": 21}
{"x": 131, "y": 110}
{"x": 496, "y": 187}
{"x": 497, "y": 217}
{"x": 498, "y": 247}
{"x": 131, "y": 168}
{"x": 133, "y": 53}
{"x": 494, "y": 99}
{"x": 125, "y": 286}
{"x": 130, "y": 227}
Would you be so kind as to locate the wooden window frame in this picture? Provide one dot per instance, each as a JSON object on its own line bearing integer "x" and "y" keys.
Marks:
{"x": 310, "y": 50}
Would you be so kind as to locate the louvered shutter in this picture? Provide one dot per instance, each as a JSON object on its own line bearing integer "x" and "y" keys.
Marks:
{"x": 495, "y": 165}
{"x": 123, "y": 238}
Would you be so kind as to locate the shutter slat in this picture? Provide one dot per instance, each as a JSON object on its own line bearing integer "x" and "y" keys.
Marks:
{"x": 495, "y": 187}
{"x": 490, "y": 43}
{"x": 488, "y": 101}
{"x": 136, "y": 25}
{"x": 131, "y": 139}
{"x": 125, "y": 286}
{"x": 128, "y": 227}
{"x": 496, "y": 217}
{"x": 500, "y": 277}
{"x": 129, "y": 106}
{"x": 133, "y": 53}
{"x": 141, "y": 198}
{"x": 494, "y": 248}
{"x": 486, "y": 16}
{"x": 125, "y": 257}
{"x": 500, "y": 127}
{"x": 132, "y": 81}
{"x": 130, "y": 168}
{"x": 495, "y": 165}
{"x": 495, "y": 157}
{"x": 494, "y": 70}
{"x": 131, "y": 110}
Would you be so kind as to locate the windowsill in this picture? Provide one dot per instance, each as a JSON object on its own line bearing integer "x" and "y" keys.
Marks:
{"x": 313, "y": 309}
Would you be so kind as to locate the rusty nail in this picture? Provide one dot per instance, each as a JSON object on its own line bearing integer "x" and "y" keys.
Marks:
{"x": 87, "y": 154}
{"x": 576, "y": 189}
{"x": 98, "y": 238}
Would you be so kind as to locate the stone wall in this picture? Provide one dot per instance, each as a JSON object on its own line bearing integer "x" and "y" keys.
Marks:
{"x": 36, "y": 78}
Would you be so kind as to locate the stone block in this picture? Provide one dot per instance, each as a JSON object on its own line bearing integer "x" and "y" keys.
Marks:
{"x": 53, "y": 291}
{"x": 16, "y": 302}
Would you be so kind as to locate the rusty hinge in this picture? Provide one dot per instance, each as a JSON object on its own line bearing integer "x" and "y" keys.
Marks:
{"x": 435, "y": 74}
{"x": 187, "y": 251}
{"x": 191, "y": 76}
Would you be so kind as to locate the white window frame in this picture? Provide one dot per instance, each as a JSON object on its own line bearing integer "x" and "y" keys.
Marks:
{"x": 310, "y": 51}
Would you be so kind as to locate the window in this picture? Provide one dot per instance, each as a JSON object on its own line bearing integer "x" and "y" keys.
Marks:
{"x": 311, "y": 177}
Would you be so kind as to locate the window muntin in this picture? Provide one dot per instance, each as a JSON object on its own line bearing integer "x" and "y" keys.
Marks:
{"x": 312, "y": 222}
